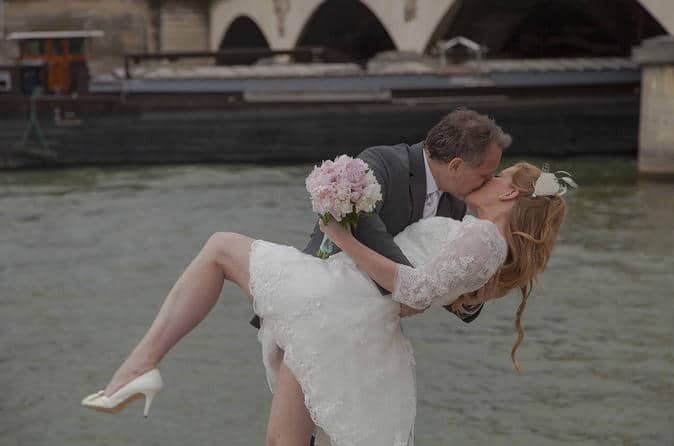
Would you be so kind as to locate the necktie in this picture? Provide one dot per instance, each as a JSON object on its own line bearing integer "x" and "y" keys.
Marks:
{"x": 431, "y": 204}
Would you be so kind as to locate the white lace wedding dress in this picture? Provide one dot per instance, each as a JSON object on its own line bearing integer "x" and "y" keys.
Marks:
{"x": 342, "y": 339}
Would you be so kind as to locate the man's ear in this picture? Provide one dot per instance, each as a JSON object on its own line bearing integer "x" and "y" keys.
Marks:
{"x": 455, "y": 163}
{"x": 510, "y": 195}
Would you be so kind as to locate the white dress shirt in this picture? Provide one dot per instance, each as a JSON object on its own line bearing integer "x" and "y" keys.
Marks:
{"x": 432, "y": 192}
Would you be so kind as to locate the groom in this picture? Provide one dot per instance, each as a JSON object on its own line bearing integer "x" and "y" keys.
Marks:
{"x": 460, "y": 153}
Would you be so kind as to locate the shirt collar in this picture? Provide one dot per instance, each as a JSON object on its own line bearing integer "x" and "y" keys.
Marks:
{"x": 431, "y": 186}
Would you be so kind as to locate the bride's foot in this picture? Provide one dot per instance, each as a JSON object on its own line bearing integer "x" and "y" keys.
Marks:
{"x": 146, "y": 385}
{"x": 125, "y": 374}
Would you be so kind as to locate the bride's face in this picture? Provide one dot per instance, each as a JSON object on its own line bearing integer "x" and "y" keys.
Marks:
{"x": 497, "y": 190}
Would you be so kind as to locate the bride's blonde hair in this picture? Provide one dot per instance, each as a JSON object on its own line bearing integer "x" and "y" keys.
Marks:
{"x": 532, "y": 227}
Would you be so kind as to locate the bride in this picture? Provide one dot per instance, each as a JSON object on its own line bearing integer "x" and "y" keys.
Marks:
{"x": 327, "y": 322}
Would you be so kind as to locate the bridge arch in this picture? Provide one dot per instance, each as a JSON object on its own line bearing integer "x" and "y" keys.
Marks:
{"x": 243, "y": 32}
{"x": 224, "y": 14}
{"x": 549, "y": 28}
{"x": 348, "y": 26}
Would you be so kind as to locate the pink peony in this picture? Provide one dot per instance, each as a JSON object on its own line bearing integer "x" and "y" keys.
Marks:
{"x": 343, "y": 188}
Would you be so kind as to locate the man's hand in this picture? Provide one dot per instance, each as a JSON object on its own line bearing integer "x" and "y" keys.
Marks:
{"x": 489, "y": 291}
{"x": 409, "y": 311}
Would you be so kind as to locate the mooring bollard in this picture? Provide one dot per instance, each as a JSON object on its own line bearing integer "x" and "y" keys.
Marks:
{"x": 656, "y": 126}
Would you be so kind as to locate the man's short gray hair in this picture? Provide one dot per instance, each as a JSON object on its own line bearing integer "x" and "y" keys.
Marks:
{"x": 465, "y": 134}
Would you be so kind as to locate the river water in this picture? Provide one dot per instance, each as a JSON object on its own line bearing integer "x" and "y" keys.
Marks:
{"x": 87, "y": 255}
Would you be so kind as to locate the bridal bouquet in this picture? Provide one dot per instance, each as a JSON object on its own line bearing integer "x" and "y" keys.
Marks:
{"x": 342, "y": 189}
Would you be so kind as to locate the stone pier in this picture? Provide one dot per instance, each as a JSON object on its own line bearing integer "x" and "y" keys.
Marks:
{"x": 656, "y": 127}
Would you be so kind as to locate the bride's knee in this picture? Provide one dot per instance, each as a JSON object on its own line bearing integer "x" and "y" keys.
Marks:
{"x": 218, "y": 239}
{"x": 217, "y": 244}
{"x": 221, "y": 245}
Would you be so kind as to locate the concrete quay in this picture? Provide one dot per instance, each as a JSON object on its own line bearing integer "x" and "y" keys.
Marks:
{"x": 656, "y": 127}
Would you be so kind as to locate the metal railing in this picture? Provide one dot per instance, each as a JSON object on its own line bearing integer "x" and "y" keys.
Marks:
{"x": 241, "y": 56}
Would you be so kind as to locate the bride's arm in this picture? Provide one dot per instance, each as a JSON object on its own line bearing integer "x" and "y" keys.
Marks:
{"x": 473, "y": 257}
{"x": 381, "y": 269}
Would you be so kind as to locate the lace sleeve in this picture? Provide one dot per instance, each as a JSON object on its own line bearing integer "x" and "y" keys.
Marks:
{"x": 464, "y": 264}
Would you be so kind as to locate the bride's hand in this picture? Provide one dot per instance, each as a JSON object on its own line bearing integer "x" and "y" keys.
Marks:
{"x": 335, "y": 231}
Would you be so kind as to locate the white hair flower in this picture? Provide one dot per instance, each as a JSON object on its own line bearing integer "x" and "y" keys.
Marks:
{"x": 548, "y": 183}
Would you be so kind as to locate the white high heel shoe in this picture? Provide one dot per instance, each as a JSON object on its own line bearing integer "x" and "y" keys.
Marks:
{"x": 147, "y": 385}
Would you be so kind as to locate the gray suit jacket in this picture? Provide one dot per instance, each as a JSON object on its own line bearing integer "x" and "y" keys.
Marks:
{"x": 401, "y": 173}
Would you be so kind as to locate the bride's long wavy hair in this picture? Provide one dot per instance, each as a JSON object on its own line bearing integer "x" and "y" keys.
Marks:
{"x": 532, "y": 228}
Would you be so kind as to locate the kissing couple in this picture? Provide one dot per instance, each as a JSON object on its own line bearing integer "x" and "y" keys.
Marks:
{"x": 337, "y": 362}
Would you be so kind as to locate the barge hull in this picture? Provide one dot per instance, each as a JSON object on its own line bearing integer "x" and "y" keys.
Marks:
{"x": 284, "y": 133}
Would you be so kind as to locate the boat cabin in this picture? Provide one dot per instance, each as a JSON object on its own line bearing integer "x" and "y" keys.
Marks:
{"x": 54, "y": 60}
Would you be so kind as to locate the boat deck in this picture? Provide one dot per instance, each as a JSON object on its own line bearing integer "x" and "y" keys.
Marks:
{"x": 380, "y": 78}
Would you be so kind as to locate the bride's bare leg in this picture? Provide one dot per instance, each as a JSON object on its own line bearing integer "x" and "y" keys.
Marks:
{"x": 224, "y": 256}
{"x": 289, "y": 421}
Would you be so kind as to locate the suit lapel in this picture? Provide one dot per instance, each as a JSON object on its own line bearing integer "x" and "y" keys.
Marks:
{"x": 417, "y": 181}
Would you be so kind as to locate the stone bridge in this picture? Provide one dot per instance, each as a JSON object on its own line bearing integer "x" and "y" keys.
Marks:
{"x": 516, "y": 28}
{"x": 519, "y": 28}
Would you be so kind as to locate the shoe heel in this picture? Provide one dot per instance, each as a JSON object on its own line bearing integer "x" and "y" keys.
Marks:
{"x": 149, "y": 396}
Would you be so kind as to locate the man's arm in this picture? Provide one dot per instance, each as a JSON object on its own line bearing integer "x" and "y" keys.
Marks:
{"x": 372, "y": 231}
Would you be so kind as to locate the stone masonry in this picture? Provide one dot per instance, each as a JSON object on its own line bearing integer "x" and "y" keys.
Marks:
{"x": 129, "y": 25}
